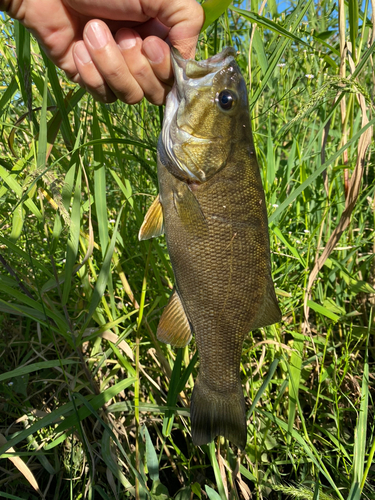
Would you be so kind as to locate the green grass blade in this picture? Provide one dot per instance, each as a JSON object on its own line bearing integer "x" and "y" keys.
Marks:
{"x": 100, "y": 186}
{"x": 103, "y": 275}
{"x": 22, "y": 37}
{"x": 151, "y": 456}
{"x": 355, "y": 492}
{"x": 294, "y": 368}
{"x": 353, "y": 23}
{"x": 268, "y": 24}
{"x": 25, "y": 300}
{"x": 359, "y": 454}
{"x": 96, "y": 402}
{"x": 42, "y": 365}
{"x": 111, "y": 464}
{"x": 263, "y": 387}
{"x": 42, "y": 142}
{"x": 10, "y": 180}
{"x": 210, "y": 450}
{"x": 58, "y": 94}
{"x": 73, "y": 241}
{"x": 8, "y": 94}
{"x": 317, "y": 172}
{"x": 323, "y": 310}
{"x": 172, "y": 393}
{"x": 280, "y": 49}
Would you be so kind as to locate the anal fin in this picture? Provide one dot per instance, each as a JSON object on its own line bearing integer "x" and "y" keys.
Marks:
{"x": 152, "y": 226}
{"x": 174, "y": 327}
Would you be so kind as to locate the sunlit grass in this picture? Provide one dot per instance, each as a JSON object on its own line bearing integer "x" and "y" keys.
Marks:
{"x": 90, "y": 401}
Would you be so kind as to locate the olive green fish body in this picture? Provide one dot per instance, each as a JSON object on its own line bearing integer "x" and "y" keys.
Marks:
{"x": 215, "y": 223}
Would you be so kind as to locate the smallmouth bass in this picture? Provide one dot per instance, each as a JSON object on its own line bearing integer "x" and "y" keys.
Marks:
{"x": 212, "y": 209}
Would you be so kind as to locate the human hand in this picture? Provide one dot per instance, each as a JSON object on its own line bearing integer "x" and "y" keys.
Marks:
{"x": 116, "y": 49}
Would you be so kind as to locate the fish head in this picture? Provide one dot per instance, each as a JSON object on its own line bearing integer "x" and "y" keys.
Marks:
{"x": 205, "y": 116}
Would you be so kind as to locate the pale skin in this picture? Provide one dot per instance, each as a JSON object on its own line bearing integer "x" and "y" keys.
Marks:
{"x": 116, "y": 49}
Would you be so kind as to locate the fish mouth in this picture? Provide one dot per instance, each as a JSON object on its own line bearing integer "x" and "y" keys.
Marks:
{"x": 188, "y": 73}
{"x": 186, "y": 69}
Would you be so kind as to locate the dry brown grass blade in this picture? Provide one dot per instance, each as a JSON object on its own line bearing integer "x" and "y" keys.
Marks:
{"x": 220, "y": 461}
{"x": 21, "y": 466}
{"x": 245, "y": 490}
{"x": 112, "y": 337}
{"x": 353, "y": 191}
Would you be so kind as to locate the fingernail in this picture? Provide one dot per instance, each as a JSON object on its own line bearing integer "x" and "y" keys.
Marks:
{"x": 82, "y": 53}
{"x": 153, "y": 52}
{"x": 96, "y": 35}
{"x": 127, "y": 39}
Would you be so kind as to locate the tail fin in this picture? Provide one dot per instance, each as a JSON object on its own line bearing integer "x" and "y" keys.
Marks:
{"x": 216, "y": 413}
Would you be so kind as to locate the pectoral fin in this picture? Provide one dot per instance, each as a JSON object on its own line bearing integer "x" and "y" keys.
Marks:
{"x": 174, "y": 327}
{"x": 152, "y": 226}
{"x": 189, "y": 210}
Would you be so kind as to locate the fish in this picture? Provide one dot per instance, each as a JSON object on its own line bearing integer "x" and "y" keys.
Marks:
{"x": 212, "y": 209}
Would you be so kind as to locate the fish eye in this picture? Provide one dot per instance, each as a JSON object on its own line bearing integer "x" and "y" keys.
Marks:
{"x": 225, "y": 99}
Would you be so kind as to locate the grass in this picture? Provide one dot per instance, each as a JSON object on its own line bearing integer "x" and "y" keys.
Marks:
{"x": 91, "y": 405}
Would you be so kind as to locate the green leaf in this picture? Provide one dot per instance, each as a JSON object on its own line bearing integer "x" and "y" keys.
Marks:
{"x": 9, "y": 179}
{"x": 260, "y": 52}
{"x": 151, "y": 457}
{"x": 17, "y": 223}
{"x": 213, "y": 9}
{"x": 159, "y": 491}
{"x": 297, "y": 17}
{"x": 355, "y": 492}
{"x": 212, "y": 494}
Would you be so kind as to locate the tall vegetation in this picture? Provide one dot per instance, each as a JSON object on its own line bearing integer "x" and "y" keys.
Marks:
{"x": 91, "y": 405}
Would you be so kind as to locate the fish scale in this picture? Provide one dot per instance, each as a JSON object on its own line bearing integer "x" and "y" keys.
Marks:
{"x": 215, "y": 224}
